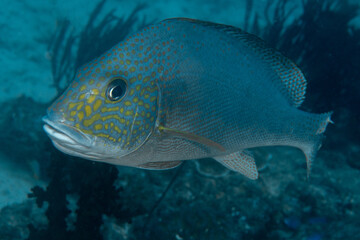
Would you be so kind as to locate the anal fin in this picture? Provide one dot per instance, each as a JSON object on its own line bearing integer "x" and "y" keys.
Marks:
{"x": 242, "y": 162}
{"x": 160, "y": 165}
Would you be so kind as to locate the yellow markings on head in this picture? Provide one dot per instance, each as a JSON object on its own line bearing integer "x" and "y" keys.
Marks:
{"x": 124, "y": 132}
{"x": 132, "y": 69}
{"x": 98, "y": 127}
{"x": 129, "y": 113}
{"x": 80, "y": 105}
{"x": 136, "y": 99}
{"x": 112, "y": 109}
{"x": 82, "y": 88}
{"x": 97, "y": 104}
{"x": 72, "y": 105}
{"x": 98, "y": 85}
{"x": 132, "y": 91}
{"x": 141, "y": 103}
{"x": 138, "y": 87}
{"x": 88, "y": 110}
{"x": 146, "y": 95}
{"x": 90, "y": 99}
{"x": 95, "y": 91}
{"x": 103, "y": 135}
{"x": 102, "y": 78}
{"x": 80, "y": 116}
{"x": 82, "y": 96}
{"x": 114, "y": 116}
{"x": 91, "y": 81}
{"x": 90, "y": 121}
{"x": 72, "y": 113}
{"x": 133, "y": 79}
{"x": 127, "y": 103}
{"x": 146, "y": 79}
{"x": 116, "y": 128}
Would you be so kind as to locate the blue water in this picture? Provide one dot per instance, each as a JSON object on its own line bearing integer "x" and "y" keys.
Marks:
{"x": 45, "y": 194}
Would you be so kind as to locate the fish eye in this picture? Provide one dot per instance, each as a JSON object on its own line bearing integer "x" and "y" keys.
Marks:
{"x": 116, "y": 89}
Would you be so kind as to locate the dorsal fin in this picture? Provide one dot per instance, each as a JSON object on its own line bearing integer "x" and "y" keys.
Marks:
{"x": 291, "y": 81}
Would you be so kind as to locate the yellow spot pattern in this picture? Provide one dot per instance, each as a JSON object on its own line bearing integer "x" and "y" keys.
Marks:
{"x": 97, "y": 104}
{"x": 88, "y": 110}
{"x": 98, "y": 127}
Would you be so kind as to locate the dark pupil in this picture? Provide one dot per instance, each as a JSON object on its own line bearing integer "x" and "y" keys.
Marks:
{"x": 116, "y": 89}
{"x": 117, "y": 92}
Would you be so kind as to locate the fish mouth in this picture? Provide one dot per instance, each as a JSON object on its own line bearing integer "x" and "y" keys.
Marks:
{"x": 69, "y": 140}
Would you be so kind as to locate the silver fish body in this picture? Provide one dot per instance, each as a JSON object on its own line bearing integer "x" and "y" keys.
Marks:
{"x": 215, "y": 91}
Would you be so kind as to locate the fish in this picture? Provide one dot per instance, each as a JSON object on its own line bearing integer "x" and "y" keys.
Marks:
{"x": 184, "y": 89}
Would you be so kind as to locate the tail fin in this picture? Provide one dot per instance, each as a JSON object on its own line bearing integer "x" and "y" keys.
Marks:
{"x": 317, "y": 124}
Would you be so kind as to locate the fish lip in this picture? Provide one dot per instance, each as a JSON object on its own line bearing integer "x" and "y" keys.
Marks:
{"x": 60, "y": 132}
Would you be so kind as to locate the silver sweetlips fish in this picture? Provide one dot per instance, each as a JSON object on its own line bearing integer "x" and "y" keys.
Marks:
{"x": 184, "y": 89}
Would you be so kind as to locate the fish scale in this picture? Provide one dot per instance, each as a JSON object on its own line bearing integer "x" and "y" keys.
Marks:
{"x": 194, "y": 90}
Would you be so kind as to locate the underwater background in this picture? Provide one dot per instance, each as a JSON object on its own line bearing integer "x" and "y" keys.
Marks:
{"x": 45, "y": 194}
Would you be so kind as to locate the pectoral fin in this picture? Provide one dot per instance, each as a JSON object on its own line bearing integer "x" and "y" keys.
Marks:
{"x": 242, "y": 162}
{"x": 160, "y": 165}
{"x": 193, "y": 137}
